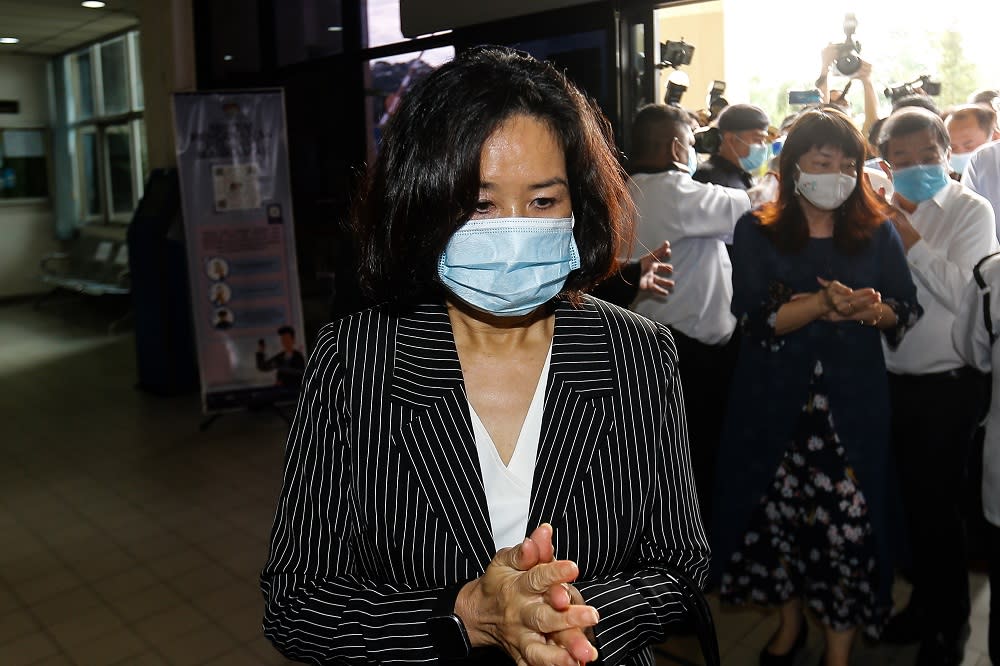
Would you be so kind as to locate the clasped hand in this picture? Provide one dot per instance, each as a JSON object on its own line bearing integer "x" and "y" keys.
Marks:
{"x": 844, "y": 303}
{"x": 525, "y": 604}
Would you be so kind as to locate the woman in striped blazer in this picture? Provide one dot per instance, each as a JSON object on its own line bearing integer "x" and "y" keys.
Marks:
{"x": 489, "y": 466}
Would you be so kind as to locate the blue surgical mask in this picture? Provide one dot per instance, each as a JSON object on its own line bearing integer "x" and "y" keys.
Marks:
{"x": 921, "y": 182}
{"x": 755, "y": 158}
{"x": 959, "y": 161}
{"x": 692, "y": 161}
{"x": 509, "y": 266}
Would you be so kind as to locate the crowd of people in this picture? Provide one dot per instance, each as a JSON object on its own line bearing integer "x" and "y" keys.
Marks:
{"x": 840, "y": 316}
{"x": 588, "y": 382}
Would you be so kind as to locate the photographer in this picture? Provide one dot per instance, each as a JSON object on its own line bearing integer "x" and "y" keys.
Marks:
{"x": 743, "y": 148}
{"x": 863, "y": 74}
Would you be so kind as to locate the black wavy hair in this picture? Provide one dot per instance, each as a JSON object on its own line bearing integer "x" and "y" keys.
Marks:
{"x": 425, "y": 183}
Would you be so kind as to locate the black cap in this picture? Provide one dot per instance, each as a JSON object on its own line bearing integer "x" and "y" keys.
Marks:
{"x": 740, "y": 117}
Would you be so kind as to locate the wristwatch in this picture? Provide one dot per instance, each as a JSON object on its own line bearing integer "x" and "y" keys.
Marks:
{"x": 446, "y": 629}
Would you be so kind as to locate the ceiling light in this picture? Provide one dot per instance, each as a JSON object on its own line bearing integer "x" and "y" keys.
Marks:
{"x": 335, "y": 28}
{"x": 92, "y": 4}
{"x": 9, "y": 40}
{"x": 227, "y": 57}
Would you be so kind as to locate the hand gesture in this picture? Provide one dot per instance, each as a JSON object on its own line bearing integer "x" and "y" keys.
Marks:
{"x": 654, "y": 268}
{"x": 766, "y": 190}
{"x": 509, "y": 606}
{"x": 575, "y": 641}
{"x": 561, "y": 597}
{"x": 845, "y": 303}
{"x": 864, "y": 72}
{"x": 827, "y": 57}
{"x": 901, "y": 221}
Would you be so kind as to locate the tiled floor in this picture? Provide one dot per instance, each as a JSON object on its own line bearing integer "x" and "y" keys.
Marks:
{"x": 127, "y": 536}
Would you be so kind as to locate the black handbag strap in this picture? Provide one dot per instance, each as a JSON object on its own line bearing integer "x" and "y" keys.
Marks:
{"x": 985, "y": 290}
{"x": 699, "y": 614}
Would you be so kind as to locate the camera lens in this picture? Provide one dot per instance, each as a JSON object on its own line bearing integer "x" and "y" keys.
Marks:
{"x": 931, "y": 87}
{"x": 848, "y": 64}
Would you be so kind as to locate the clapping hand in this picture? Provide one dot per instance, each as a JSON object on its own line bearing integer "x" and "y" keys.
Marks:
{"x": 653, "y": 269}
{"x": 517, "y": 605}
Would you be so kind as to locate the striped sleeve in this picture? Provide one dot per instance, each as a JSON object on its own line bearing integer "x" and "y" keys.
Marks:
{"x": 638, "y": 605}
{"x": 318, "y": 609}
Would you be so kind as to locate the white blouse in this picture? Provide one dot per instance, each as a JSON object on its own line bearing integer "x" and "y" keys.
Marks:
{"x": 508, "y": 487}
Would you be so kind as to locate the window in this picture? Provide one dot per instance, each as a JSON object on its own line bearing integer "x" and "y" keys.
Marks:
{"x": 83, "y": 85}
{"x": 382, "y": 26}
{"x": 23, "y": 163}
{"x": 306, "y": 30}
{"x": 114, "y": 76}
{"x": 387, "y": 79}
{"x": 88, "y": 168}
{"x": 138, "y": 102}
{"x": 105, "y": 100}
{"x": 120, "y": 166}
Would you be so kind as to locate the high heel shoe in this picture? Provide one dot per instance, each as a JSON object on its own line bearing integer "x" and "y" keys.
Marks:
{"x": 787, "y": 659}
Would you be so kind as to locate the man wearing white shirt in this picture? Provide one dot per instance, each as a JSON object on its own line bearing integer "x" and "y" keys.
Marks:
{"x": 969, "y": 126}
{"x": 982, "y": 175}
{"x": 936, "y": 398}
{"x": 697, "y": 219}
{"x": 975, "y": 337}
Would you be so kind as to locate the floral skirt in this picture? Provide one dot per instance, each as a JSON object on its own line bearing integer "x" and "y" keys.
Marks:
{"x": 811, "y": 536}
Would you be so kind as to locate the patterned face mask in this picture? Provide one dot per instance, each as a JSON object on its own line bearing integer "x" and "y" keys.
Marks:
{"x": 826, "y": 191}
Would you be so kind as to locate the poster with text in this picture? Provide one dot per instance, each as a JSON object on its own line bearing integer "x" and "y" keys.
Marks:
{"x": 232, "y": 157}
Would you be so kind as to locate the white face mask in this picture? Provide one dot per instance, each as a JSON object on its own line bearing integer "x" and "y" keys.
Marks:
{"x": 826, "y": 191}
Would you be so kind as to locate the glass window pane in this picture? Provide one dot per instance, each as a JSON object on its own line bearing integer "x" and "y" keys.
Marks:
{"x": 235, "y": 38}
{"x": 114, "y": 75}
{"x": 388, "y": 79}
{"x": 139, "y": 102}
{"x": 307, "y": 29}
{"x": 118, "y": 142}
{"x": 89, "y": 180}
{"x": 83, "y": 84}
{"x": 143, "y": 151}
{"x": 382, "y": 26}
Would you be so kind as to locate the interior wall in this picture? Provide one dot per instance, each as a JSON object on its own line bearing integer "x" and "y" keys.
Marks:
{"x": 701, "y": 25}
{"x": 27, "y": 228}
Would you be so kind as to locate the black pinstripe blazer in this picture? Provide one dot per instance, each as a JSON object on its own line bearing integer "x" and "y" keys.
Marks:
{"x": 383, "y": 500}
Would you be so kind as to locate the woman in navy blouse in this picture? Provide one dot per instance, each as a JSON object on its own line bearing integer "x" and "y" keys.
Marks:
{"x": 819, "y": 280}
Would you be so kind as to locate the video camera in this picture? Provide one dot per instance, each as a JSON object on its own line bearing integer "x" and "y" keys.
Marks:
{"x": 707, "y": 140}
{"x": 925, "y": 83}
{"x": 715, "y": 102}
{"x": 848, "y": 60}
{"x": 675, "y": 54}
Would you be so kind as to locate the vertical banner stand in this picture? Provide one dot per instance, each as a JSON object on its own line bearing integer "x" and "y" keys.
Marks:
{"x": 232, "y": 159}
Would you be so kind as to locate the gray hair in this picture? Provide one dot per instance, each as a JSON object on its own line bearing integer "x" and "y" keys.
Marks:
{"x": 909, "y": 120}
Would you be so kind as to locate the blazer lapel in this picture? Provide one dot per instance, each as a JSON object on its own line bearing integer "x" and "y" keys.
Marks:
{"x": 435, "y": 431}
{"x": 575, "y": 419}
